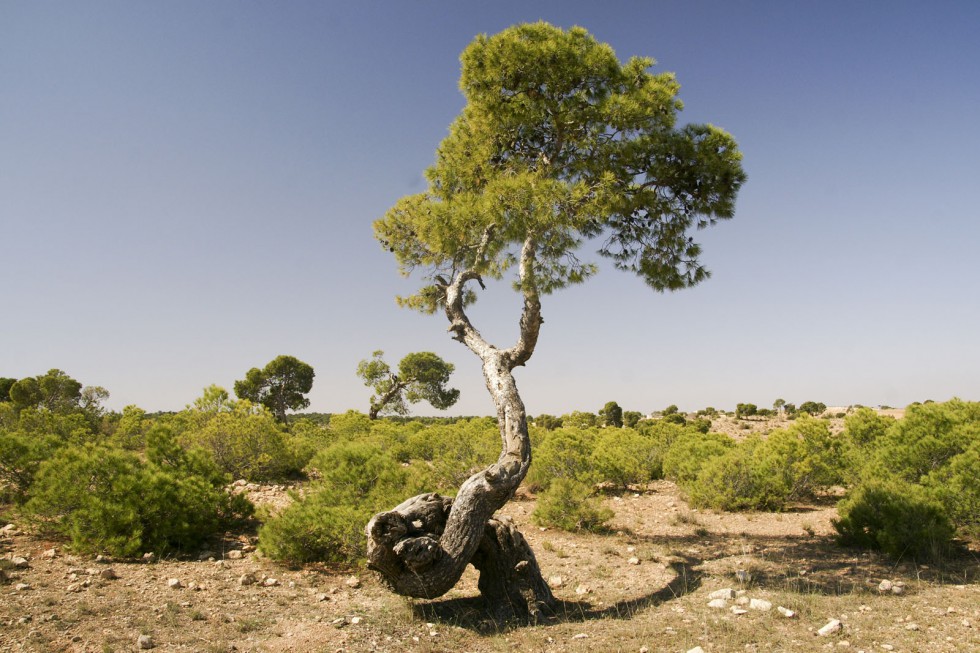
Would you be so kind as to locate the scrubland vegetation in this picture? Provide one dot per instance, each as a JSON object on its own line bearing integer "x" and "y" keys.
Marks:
{"x": 159, "y": 483}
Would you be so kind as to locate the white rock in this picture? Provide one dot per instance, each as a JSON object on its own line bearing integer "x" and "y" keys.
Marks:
{"x": 786, "y": 612}
{"x": 582, "y": 589}
{"x": 353, "y": 582}
{"x": 885, "y": 586}
{"x": 145, "y": 642}
{"x": 270, "y": 582}
{"x": 50, "y": 553}
{"x": 174, "y": 584}
{"x": 696, "y": 649}
{"x": 234, "y": 555}
{"x": 718, "y": 603}
{"x": 760, "y": 604}
{"x": 355, "y": 620}
{"x": 149, "y": 557}
{"x": 21, "y": 587}
{"x": 888, "y": 647}
{"x": 726, "y": 593}
{"x": 737, "y": 610}
{"x": 831, "y": 627}
{"x": 634, "y": 561}
{"x": 580, "y": 636}
{"x": 912, "y": 626}
{"x": 20, "y": 563}
{"x": 898, "y": 588}
{"x": 556, "y": 581}
{"x": 247, "y": 579}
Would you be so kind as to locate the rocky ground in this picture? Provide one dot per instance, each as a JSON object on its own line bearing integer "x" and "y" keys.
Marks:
{"x": 667, "y": 578}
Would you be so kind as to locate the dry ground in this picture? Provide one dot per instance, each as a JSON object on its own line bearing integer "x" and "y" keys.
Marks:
{"x": 644, "y": 586}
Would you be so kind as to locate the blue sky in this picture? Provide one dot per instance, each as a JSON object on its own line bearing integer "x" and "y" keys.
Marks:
{"x": 187, "y": 191}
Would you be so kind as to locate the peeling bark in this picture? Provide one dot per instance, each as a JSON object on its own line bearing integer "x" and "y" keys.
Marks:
{"x": 422, "y": 546}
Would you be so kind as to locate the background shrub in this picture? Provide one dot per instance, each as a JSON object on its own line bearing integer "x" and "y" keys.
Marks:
{"x": 569, "y": 505}
{"x": 689, "y": 452}
{"x": 108, "y": 500}
{"x": 896, "y": 517}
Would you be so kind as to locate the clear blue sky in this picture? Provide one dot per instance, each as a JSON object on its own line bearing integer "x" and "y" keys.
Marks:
{"x": 187, "y": 191}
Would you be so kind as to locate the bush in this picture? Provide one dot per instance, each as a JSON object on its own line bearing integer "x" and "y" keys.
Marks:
{"x": 568, "y": 505}
{"x": 20, "y": 457}
{"x": 107, "y": 500}
{"x": 689, "y": 453}
{"x": 357, "y": 479}
{"x": 245, "y": 442}
{"x": 623, "y": 457}
{"x": 316, "y": 528}
{"x": 562, "y": 453}
{"x": 734, "y": 481}
{"x": 896, "y": 517}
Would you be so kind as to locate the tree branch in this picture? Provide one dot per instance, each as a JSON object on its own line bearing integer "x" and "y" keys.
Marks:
{"x": 531, "y": 320}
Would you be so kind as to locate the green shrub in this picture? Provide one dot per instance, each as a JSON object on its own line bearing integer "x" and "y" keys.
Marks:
{"x": 806, "y": 457}
{"x": 562, "y": 453}
{"x": 689, "y": 452}
{"x": 356, "y": 480}
{"x": 623, "y": 457}
{"x": 245, "y": 442}
{"x": 896, "y": 517}
{"x": 568, "y": 505}
{"x": 957, "y": 487}
{"x": 316, "y": 528}
{"x": 108, "y": 500}
{"x": 21, "y": 455}
{"x": 735, "y": 481}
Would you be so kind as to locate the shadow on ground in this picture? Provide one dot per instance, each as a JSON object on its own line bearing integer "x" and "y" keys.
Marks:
{"x": 472, "y": 612}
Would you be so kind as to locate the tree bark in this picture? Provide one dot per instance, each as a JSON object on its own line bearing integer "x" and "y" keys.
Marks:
{"x": 422, "y": 546}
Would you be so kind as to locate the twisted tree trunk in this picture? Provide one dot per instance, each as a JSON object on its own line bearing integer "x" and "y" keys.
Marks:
{"x": 422, "y": 546}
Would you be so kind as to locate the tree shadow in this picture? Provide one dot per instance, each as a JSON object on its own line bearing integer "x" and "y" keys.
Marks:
{"x": 474, "y": 614}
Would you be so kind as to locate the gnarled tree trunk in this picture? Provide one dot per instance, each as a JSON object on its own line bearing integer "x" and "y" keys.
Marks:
{"x": 422, "y": 546}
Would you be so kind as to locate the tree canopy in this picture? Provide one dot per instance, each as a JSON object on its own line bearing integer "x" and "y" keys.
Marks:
{"x": 280, "y": 386}
{"x": 422, "y": 376}
{"x": 560, "y": 143}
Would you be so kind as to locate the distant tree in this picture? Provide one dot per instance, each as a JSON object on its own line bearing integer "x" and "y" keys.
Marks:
{"x": 611, "y": 415}
{"x": 812, "y": 407}
{"x": 547, "y": 422}
{"x": 55, "y": 391}
{"x": 670, "y": 410}
{"x": 5, "y": 383}
{"x": 421, "y": 376}
{"x": 631, "y": 418}
{"x": 778, "y": 405}
{"x": 745, "y": 410}
{"x": 280, "y": 386}
{"x": 708, "y": 412}
{"x": 580, "y": 419}
{"x": 789, "y": 409}
{"x": 213, "y": 399}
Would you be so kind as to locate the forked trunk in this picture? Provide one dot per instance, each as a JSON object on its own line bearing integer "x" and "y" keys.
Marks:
{"x": 422, "y": 546}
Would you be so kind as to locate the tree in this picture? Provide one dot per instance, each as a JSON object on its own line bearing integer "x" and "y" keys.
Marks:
{"x": 5, "y": 384}
{"x": 279, "y": 386}
{"x": 778, "y": 405}
{"x": 611, "y": 415}
{"x": 745, "y": 410}
{"x": 421, "y": 376}
{"x": 631, "y": 418}
{"x": 812, "y": 407}
{"x": 54, "y": 391}
{"x": 559, "y": 143}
